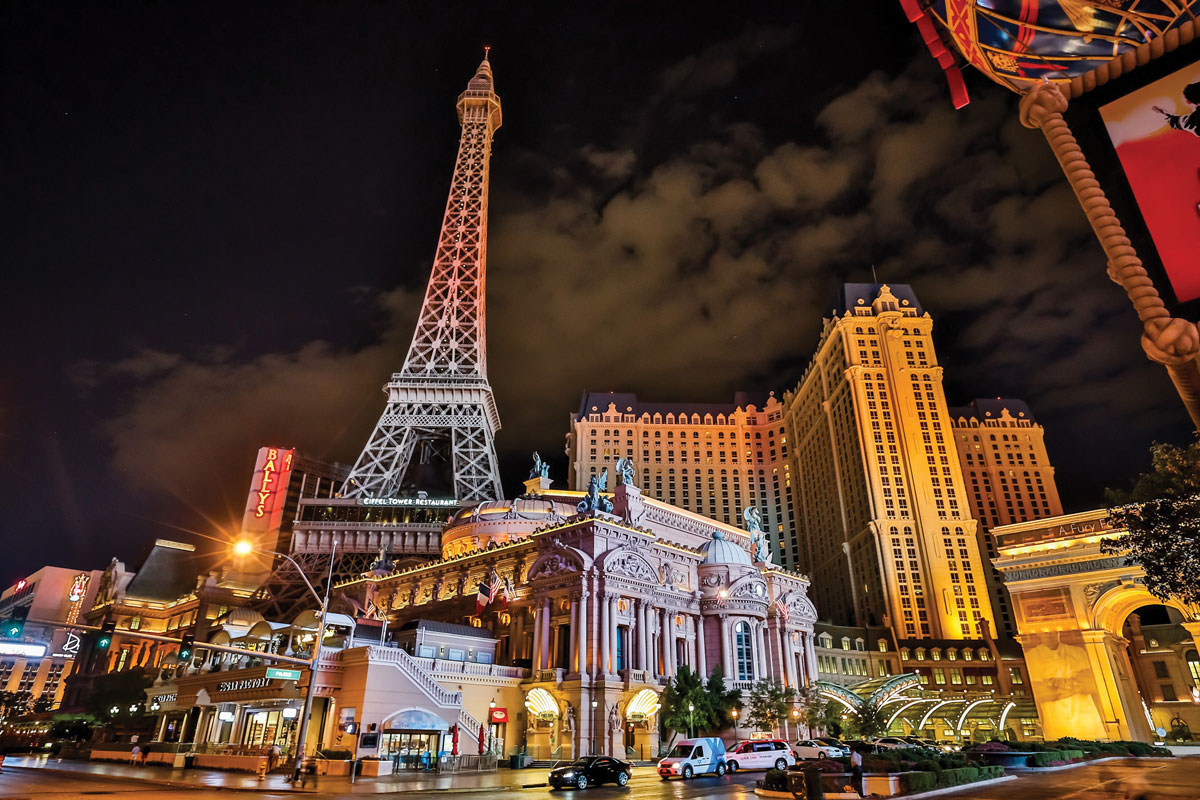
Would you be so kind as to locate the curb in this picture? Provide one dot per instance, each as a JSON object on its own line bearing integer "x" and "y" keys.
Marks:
{"x": 71, "y": 773}
{"x": 961, "y": 788}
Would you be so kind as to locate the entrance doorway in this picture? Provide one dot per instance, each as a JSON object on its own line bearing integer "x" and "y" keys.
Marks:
{"x": 411, "y": 749}
{"x": 1162, "y": 658}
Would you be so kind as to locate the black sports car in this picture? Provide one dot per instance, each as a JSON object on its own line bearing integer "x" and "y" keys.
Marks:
{"x": 591, "y": 771}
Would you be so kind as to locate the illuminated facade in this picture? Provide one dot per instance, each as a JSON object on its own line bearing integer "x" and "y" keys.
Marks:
{"x": 713, "y": 459}
{"x": 881, "y": 506}
{"x": 1096, "y": 671}
{"x": 596, "y": 610}
{"x": 40, "y": 659}
{"x": 1009, "y": 479}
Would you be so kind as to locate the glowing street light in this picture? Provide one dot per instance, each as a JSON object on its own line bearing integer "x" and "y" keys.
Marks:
{"x": 691, "y": 720}
{"x": 244, "y": 548}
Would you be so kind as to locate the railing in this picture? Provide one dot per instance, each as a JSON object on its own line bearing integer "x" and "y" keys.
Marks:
{"x": 635, "y": 675}
{"x": 444, "y": 667}
{"x": 549, "y": 675}
{"x": 420, "y": 676}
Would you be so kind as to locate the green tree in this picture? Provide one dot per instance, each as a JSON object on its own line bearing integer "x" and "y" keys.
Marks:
{"x": 77, "y": 729}
{"x": 769, "y": 702}
{"x": 686, "y": 690}
{"x": 1161, "y": 511}
{"x": 118, "y": 690}
{"x": 43, "y": 703}
{"x": 818, "y": 713}
{"x": 14, "y": 704}
{"x": 869, "y": 722}
{"x": 721, "y": 701}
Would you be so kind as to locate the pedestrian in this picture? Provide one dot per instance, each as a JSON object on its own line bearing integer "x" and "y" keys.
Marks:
{"x": 145, "y": 755}
{"x": 272, "y": 757}
{"x": 309, "y": 770}
{"x": 856, "y": 771}
{"x": 135, "y": 756}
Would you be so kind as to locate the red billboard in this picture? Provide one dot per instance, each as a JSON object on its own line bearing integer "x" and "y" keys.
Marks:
{"x": 1155, "y": 131}
{"x": 268, "y": 490}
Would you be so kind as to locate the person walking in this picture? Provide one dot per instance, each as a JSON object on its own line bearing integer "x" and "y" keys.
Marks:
{"x": 145, "y": 756}
{"x": 856, "y": 771}
{"x": 272, "y": 757}
{"x": 135, "y": 756}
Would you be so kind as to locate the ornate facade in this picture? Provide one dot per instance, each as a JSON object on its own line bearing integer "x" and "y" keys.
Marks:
{"x": 603, "y": 608}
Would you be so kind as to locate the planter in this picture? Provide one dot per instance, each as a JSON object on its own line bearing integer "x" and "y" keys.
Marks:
{"x": 883, "y": 784}
{"x": 373, "y": 769}
{"x": 327, "y": 767}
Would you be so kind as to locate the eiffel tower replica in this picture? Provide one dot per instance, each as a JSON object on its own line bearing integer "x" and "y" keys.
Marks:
{"x": 433, "y": 449}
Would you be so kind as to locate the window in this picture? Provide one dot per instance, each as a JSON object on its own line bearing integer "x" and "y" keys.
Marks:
{"x": 882, "y": 645}
{"x": 1168, "y": 693}
{"x": 1193, "y": 662}
{"x": 1160, "y": 670}
{"x": 743, "y": 653}
{"x": 939, "y": 676}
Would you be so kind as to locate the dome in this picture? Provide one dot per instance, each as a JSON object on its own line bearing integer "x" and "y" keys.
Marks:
{"x": 722, "y": 551}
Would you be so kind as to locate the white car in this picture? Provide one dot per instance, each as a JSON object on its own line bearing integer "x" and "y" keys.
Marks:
{"x": 893, "y": 743}
{"x": 760, "y": 754}
{"x": 811, "y": 748}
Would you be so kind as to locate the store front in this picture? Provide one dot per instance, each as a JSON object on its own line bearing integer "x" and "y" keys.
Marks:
{"x": 414, "y": 739}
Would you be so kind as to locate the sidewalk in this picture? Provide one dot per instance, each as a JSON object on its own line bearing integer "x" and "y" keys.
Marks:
{"x": 461, "y": 782}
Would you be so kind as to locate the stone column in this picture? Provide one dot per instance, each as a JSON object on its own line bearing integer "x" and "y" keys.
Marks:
{"x": 607, "y": 644}
{"x": 581, "y": 637}
{"x": 726, "y": 649}
{"x": 664, "y": 643}
{"x": 701, "y": 656}
{"x": 573, "y": 664}
{"x": 544, "y": 636}
{"x": 535, "y": 641}
{"x": 643, "y": 618}
{"x": 612, "y": 638}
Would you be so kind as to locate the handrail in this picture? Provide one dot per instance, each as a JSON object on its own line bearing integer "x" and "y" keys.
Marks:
{"x": 416, "y": 673}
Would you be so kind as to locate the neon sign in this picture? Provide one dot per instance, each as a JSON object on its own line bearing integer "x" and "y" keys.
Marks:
{"x": 75, "y": 596}
{"x": 268, "y": 489}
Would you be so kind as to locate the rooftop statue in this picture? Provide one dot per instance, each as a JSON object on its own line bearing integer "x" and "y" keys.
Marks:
{"x": 758, "y": 538}
{"x": 625, "y": 474}
{"x": 592, "y": 501}
{"x": 540, "y": 469}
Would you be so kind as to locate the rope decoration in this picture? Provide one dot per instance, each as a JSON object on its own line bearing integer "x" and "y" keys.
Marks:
{"x": 1172, "y": 342}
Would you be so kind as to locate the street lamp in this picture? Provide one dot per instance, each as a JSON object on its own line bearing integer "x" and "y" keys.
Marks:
{"x": 114, "y": 710}
{"x": 691, "y": 720}
{"x": 243, "y": 548}
{"x": 595, "y": 704}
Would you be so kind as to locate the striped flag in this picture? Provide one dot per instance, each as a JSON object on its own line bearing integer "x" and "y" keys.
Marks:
{"x": 495, "y": 587}
{"x": 482, "y": 597}
{"x": 510, "y": 591}
{"x": 782, "y": 609}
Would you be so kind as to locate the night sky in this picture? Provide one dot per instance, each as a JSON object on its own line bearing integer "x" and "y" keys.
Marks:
{"x": 218, "y": 220}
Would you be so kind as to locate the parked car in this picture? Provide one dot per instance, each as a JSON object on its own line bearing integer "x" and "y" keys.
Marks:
{"x": 829, "y": 740}
{"x": 893, "y": 743}
{"x": 694, "y": 757}
{"x": 760, "y": 754}
{"x": 949, "y": 746}
{"x": 859, "y": 746}
{"x": 816, "y": 748}
{"x": 591, "y": 771}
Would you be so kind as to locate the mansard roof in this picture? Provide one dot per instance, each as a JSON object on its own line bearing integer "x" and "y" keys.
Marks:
{"x": 986, "y": 409}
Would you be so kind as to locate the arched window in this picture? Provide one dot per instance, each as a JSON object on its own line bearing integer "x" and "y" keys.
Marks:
{"x": 743, "y": 652}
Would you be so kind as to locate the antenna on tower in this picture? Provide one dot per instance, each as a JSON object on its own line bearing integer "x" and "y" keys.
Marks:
{"x": 487, "y": 48}
{"x": 874, "y": 277}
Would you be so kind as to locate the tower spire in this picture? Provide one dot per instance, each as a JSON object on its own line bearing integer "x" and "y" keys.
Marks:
{"x": 436, "y": 433}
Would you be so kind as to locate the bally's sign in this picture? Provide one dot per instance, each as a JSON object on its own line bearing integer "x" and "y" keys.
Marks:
{"x": 243, "y": 684}
{"x": 165, "y": 698}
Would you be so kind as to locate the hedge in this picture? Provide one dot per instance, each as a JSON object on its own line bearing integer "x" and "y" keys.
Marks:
{"x": 1053, "y": 757}
{"x": 776, "y": 780}
{"x": 919, "y": 782}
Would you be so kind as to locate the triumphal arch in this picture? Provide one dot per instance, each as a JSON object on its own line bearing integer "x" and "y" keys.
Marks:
{"x": 1073, "y": 604}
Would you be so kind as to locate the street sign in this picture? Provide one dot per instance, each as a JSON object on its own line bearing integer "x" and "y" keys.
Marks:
{"x": 283, "y": 674}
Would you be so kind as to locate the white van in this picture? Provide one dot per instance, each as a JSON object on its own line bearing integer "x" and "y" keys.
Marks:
{"x": 694, "y": 757}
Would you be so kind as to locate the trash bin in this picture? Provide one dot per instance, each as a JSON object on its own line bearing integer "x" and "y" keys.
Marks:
{"x": 515, "y": 761}
{"x": 189, "y": 761}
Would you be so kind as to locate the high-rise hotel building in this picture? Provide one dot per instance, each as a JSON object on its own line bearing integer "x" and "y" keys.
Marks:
{"x": 883, "y": 521}
{"x": 714, "y": 459}
{"x": 1002, "y": 452}
{"x": 856, "y": 470}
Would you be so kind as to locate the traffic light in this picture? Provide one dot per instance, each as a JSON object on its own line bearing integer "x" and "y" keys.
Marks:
{"x": 106, "y": 634}
{"x": 12, "y": 626}
{"x": 185, "y": 647}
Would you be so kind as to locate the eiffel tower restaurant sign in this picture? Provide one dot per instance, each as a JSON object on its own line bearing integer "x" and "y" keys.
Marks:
{"x": 268, "y": 490}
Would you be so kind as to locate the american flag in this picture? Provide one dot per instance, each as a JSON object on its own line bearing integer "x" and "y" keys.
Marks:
{"x": 494, "y": 588}
{"x": 782, "y": 609}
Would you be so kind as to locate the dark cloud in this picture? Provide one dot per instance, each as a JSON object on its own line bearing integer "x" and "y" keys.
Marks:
{"x": 688, "y": 275}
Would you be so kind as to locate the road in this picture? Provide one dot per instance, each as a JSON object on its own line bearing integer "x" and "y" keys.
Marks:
{"x": 1164, "y": 778}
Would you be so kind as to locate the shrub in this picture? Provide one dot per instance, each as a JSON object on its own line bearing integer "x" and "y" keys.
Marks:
{"x": 335, "y": 755}
{"x": 1052, "y": 758}
{"x": 827, "y": 765}
{"x": 919, "y": 782}
{"x": 776, "y": 780}
{"x": 1140, "y": 749}
{"x": 990, "y": 747}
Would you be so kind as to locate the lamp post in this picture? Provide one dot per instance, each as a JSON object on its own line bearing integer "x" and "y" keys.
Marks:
{"x": 595, "y": 704}
{"x": 245, "y": 548}
{"x": 734, "y": 714}
{"x": 796, "y": 721}
{"x": 491, "y": 708}
{"x": 691, "y": 720}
